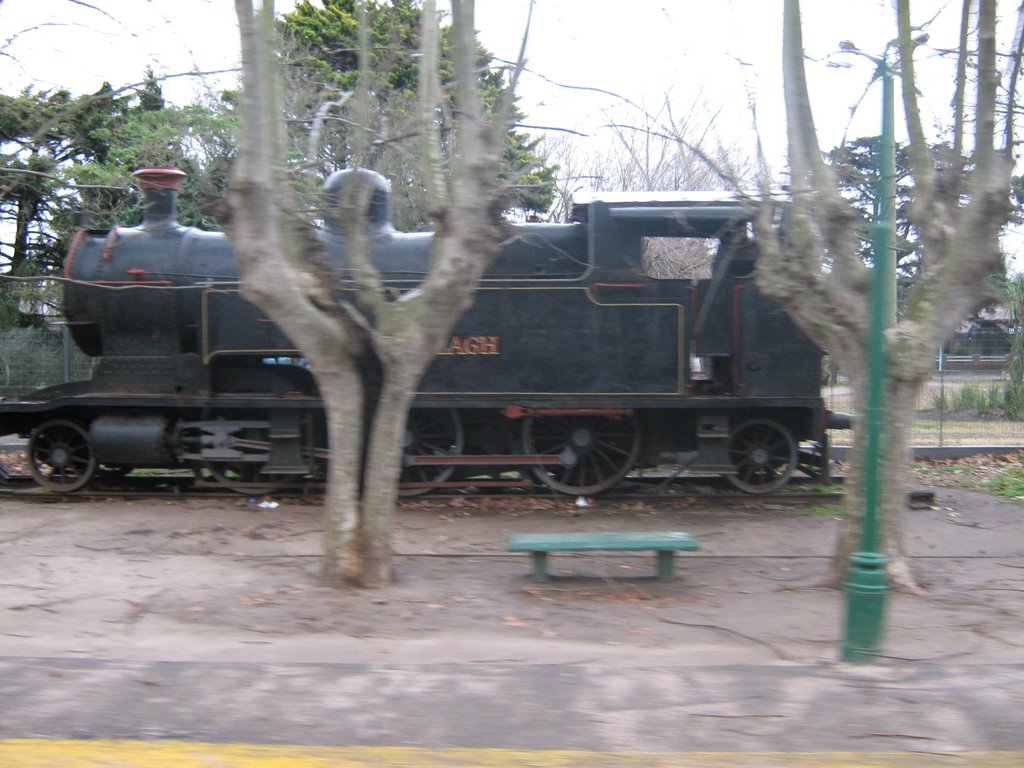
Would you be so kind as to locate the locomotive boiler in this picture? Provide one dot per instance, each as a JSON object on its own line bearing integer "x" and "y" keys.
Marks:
{"x": 574, "y": 367}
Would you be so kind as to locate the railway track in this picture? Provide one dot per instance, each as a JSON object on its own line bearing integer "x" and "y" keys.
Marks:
{"x": 645, "y": 489}
{"x": 182, "y": 484}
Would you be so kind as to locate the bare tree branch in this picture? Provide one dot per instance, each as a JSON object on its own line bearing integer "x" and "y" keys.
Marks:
{"x": 961, "y": 79}
{"x": 313, "y": 142}
{"x": 63, "y": 182}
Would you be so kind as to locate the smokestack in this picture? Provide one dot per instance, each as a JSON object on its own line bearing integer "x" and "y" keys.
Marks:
{"x": 160, "y": 186}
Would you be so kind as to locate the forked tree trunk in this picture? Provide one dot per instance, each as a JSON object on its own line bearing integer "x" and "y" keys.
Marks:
{"x": 285, "y": 271}
{"x": 366, "y": 424}
{"x": 958, "y": 214}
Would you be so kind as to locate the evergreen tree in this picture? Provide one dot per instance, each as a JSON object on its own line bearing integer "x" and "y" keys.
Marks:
{"x": 63, "y": 154}
{"x": 42, "y": 135}
{"x": 325, "y": 41}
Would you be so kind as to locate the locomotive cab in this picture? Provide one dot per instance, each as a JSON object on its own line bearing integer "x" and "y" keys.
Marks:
{"x": 696, "y": 246}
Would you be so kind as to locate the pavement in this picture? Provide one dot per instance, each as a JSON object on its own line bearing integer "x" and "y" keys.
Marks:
{"x": 924, "y": 709}
{"x": 219, "y": 659}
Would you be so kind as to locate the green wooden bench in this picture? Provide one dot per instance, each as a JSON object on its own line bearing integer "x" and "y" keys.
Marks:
{"x": 664, "y": 543}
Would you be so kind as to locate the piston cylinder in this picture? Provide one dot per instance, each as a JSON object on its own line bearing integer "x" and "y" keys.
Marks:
{"x": 134, "y": 440}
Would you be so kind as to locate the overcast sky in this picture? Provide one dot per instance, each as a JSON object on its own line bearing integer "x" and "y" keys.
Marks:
{"x": 589, "y": 61}
{"x": 719, "y": 55}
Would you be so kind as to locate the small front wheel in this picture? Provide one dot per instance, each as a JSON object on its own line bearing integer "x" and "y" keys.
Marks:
{"x": 60, "y": 456}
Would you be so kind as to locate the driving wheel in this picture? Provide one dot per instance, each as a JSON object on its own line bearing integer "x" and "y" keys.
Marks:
{"x": 764, "y": 454}
{"x": 429, "y": 432}
{"x": 596, "y": 451}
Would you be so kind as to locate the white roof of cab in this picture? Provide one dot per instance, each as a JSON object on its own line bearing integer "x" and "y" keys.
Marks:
{"x": 713, "y": 196}
{"x": 704, "y": 197}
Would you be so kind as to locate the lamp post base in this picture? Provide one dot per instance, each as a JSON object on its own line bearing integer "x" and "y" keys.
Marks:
{"x": 866, "y": 588}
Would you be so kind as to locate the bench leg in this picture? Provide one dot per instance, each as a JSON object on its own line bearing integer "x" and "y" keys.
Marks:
{"x": 540, "y": 566}
{"x": 666, "y": 559}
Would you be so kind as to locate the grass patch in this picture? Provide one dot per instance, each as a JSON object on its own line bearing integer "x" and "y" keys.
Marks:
{"x": 1001, "y": 474}
{"x": 825, "y": 510}
{"x": 989, "y": 431}
{"x": 998, "y": 398}
{"x": 1008, "y": 483}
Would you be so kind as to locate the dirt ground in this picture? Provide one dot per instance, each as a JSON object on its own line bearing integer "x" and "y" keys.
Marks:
{"x": 228, "y": 579}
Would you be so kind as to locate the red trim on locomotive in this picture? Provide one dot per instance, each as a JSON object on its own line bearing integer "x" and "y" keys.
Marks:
{"x": 130, "y": 282}
{"x": 517, "y": 412}
{"x": 737, "y": 337}
{"x": 75, "y": 242}
{"x": 109, "y": 244}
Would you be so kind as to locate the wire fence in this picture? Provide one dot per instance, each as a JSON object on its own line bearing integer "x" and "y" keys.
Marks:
{"x": 953, "y": 409}
{"x": 961, "y": 405}
{"x": 968, "y": 401}
{"x": 33, "y": 358}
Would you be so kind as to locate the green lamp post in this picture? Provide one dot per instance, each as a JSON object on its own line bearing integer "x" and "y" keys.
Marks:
{"x": 866, "y": 586}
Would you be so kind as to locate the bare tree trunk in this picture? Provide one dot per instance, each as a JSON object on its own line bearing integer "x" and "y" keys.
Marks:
{"x": 896, "y": 462}
{"x": 341, "y": 388}
{"x": 382, "y": 471}
{"x": 895, "y": 480}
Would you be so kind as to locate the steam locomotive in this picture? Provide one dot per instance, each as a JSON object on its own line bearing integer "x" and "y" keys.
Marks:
{"x": 573, "y": 368}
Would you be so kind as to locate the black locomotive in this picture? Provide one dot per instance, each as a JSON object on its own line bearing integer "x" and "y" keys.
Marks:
{"x": 573, "y": 367}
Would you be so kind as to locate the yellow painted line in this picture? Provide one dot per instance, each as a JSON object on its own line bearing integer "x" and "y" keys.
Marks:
{"x": 40, "y": 753}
